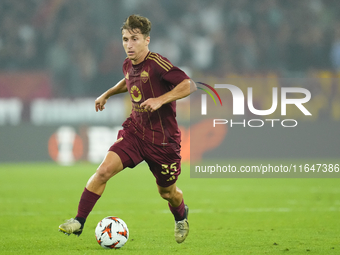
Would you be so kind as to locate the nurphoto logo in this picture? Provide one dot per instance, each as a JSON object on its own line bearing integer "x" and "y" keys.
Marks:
{"x": 239, "y": 102}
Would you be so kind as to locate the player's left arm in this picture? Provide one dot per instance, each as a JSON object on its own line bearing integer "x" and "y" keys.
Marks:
{"x": 183, "y": 89}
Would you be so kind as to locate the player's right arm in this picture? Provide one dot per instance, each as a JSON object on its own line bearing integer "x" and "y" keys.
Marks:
{"x": 120, "y": 87}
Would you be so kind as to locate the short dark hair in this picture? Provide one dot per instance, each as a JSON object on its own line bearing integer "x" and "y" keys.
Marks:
{"x": 136, "y": 21}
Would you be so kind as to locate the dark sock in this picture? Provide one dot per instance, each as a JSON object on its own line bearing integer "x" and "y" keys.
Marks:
{"x": 81, "y": 221}
{"x": 87, "y": 201}
{"x": 178, "y": 212}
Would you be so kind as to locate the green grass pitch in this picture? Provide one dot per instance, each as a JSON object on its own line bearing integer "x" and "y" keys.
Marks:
{"x": 227, "y": 216}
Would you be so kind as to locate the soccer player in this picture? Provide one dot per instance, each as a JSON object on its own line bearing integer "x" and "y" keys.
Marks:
{"x": 150, "y": 133}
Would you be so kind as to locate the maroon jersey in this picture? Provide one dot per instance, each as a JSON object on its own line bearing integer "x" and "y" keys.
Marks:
{"x": 150, "y": 79}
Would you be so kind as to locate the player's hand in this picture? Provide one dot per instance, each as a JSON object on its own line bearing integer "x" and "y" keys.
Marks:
{"x": 99, "y": 103}
{"x": 151, "y": 104}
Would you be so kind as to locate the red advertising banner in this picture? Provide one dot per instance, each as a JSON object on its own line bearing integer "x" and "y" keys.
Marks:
{"x": 25, "y": 85}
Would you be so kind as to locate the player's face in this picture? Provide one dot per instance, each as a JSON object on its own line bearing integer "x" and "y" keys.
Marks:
{"x": 135, "y": 45}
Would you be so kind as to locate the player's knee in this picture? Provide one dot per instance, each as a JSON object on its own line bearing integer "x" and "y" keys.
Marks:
{"x": 103, "y": 173}
{"x": 167, "y": 195}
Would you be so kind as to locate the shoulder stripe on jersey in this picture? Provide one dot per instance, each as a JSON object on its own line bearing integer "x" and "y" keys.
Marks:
{"x": 161, "y": 62}
{"x": 148, "y": 55}
{"x": 167, "y": 63}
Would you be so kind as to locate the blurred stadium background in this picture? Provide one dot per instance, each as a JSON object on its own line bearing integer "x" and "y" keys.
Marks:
{"x": 57, "y": 56}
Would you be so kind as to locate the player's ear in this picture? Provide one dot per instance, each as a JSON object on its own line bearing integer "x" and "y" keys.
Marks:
{"x": 147, "y": 40}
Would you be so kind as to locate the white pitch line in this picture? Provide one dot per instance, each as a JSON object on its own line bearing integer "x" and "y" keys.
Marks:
{"x": 195, "y": 211}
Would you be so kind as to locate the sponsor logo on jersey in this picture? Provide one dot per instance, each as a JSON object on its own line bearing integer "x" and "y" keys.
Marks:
{"x": 135, "y": 93}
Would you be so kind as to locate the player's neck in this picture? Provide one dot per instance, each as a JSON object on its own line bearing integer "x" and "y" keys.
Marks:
{"x": 141, "y": 58}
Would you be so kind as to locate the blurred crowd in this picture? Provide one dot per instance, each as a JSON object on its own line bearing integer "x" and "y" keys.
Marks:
{"x": 79, "y": 41}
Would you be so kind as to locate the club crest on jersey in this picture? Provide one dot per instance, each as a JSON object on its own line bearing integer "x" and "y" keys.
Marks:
{"x": 135, "y": 93}
{"x": 144, "y": 76}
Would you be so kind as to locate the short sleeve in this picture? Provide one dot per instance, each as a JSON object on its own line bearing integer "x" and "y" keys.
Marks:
{"x": 168, "y": 73}
{"x": 175, "y": 76}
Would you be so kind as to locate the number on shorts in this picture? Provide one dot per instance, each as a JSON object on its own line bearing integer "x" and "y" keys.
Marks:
{"x": 169, "y": 169}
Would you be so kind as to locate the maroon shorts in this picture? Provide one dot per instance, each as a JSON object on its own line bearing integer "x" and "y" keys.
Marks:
{"x": 164, "y": 162}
